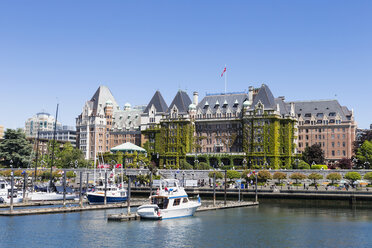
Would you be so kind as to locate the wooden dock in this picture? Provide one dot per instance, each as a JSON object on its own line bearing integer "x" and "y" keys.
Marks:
{"x": 39, "y": 203}
{"x": 67, "y": 209}
{"x": 218, "y": 206}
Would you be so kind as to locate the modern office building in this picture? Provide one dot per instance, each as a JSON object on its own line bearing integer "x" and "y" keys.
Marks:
{"x": 40, "y": 122}
{"x": 64, "y": 133}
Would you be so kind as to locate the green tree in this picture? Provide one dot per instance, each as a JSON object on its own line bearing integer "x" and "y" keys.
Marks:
{"x": 203, "y": 166}
{"x": 233, "y": 174}
{"x": 279, "y": 176}
{"x": 264, "y": 175}
{"x": 313, "y": 154}
{"x": 334, "y": 177}
{"x": 184, "y": 165}
{"x": 245, "y": 174}
{"x": 364, "y": 154}
{"x": 68, "y": 154}
{"x": 353, "y": 176}
{"x": 219, "y": 174}
{"x": 368, "y": 176}
{"x": 315, "y": 176}
{"x": 15, "y": 147}
{"x": 297, "y": 176}
{"x": 301, "y": 165}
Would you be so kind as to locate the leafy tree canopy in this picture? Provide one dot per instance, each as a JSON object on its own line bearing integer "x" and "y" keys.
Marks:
{"x": 345, "y": 163}
{"x": 279, "y": 176}
{"x": 15, "y": 147}
{"x": 264, "y": 175}
{"x": 334, "y": 177}
{"x": 313, "y": 154}
{"x": 233, "y": 174}
{"x": 364, "y": 154}
{"x": 219, "y": 174}
{"x": 353, "y": 176}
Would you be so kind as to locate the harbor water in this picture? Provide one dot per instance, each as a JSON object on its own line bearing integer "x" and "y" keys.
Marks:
{"x": 269, "y": 225}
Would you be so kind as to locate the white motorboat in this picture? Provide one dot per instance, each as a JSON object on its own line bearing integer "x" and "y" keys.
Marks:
{"x": 113, "y": 195}
{"x": 48, "y": 196}
{"x": 170, "y": 201}
{"x": 5, "y": 193}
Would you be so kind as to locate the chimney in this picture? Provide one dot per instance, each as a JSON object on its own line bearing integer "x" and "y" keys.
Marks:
{"x": 195, "y": 99}
{"x": 250, "y": 94}
{"x": 282, "y": 98}
{"x": 292, "y": 109}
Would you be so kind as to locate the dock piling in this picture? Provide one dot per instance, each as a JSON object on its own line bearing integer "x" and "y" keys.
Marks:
{"x": 256, "y": 193}
{"x": 105, "y": 200}
{"x": 24, "y": 185}
{"x": 214, "y": 189}
{"x": 64, "y": 188}
{"x": 11, "y": 189}
{"x": 81, "y": 190}
{"x": 128, "y": 196}
{"x": 225, "y": 186}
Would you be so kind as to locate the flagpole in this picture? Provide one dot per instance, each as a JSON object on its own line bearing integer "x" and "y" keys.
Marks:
{"x": 225, "y": 79}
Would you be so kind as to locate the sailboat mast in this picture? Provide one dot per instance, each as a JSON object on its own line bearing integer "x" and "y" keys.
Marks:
{"x": 54, "y": 139}
{"x": 37, "y": 153}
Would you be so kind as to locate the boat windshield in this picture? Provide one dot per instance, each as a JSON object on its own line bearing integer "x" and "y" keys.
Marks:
{"x": 161, "y": 202}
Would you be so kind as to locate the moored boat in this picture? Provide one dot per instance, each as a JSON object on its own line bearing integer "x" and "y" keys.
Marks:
{"x": 170, "y": 201}
{"x": 113, "y": 195}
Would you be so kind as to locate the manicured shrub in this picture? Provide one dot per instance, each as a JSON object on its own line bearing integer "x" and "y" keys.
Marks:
{"x": 233, "y": 174}
{"x": 368, "y": 176}
{"x": 301, "y": 165}
{"x": 219, "y": 174}
{"x": 297, "y": 176}
{"x": 315, "y": 176}
{"x": 279, "y": 176}
{"x": 264, "y": 175}
{"x": 319, "y": 167}
{"x": 353, "y": 176}
{"x": 334, "y": 177}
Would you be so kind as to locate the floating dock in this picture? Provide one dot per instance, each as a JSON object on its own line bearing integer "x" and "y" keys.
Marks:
{"x": 67, "y": 209}
{"x": 125, "y": 217}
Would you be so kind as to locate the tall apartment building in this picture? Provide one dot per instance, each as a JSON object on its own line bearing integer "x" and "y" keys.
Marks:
{"x": 103, "y": 125}
{"x": 1, "y": 132}
{"x": 40, "y": 122}
{"x": 64, "y": 134}
{"x": 228, "y": 128}
{"x": 328, "y": 124}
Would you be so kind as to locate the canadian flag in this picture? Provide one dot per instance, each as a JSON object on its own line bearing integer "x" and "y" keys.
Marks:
{"x": 224, "y": 70}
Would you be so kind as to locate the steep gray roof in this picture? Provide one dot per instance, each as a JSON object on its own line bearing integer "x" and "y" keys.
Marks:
{"x": 324, "y": 107}
{"x": 127, "y": 120}
{"x": 182, "y": 102}
{"x": 99, "y": 99}
{"x": 225, "y": 102}
{"x": 158, "y": 101}
{"x": 283, "y": 107}
{"x": 266, "y": 97}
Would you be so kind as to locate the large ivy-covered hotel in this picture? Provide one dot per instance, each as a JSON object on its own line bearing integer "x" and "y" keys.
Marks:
{"x": 251, "y": 128}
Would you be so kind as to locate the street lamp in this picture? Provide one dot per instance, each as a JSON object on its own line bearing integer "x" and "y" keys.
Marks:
{"x": 355, "y": 161}
{"x": 266, "y": 164}
{"x": 244, "y": 163}
{"x": 366, "y": 165}
{"x": 297, "y": 160}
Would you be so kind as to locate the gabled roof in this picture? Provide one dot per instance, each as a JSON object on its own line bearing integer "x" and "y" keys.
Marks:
{"x": 266, "y": 97}
{"x": 284, "y": 109}
{"x": 182, "y": 102}
{"x": 99, "y": 99}
{"x": 324, "y": 107}
{"x": 234, "y": 102}
{"x": 158, "y": 101}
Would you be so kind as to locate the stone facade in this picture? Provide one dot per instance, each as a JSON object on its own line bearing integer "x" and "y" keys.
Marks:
{"x": 103, "y": 125}
{"x": 1, "y": 132}
{"x": 328, "y": 124}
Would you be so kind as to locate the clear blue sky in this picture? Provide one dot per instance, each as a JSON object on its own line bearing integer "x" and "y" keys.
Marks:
{"x": 303, "y": 50}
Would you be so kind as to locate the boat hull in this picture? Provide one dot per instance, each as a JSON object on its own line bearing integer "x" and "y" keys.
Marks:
{"x": 41, "y": 196}
{"x": 152, "y": 212}
{"x": 95, "y": 198}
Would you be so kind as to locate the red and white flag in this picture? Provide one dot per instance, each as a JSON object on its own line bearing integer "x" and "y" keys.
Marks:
{"x": 224, "y": 70}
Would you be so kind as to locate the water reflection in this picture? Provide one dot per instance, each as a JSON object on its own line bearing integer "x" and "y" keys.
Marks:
{"x": 270, "y": 225}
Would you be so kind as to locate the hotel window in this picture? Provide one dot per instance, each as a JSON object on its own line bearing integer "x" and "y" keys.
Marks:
{"x": 333, "y": 153}
{"x": 344, "y": 153}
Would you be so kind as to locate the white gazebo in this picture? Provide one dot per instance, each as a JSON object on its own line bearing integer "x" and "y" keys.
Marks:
{"x": 127, "y": 148}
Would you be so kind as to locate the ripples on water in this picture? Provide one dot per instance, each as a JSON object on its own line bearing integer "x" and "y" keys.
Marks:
{"x": 265, "y": 226}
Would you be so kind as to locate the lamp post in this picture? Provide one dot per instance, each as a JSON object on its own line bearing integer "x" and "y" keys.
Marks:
{"x": 244, "y": 163}
{"x": 355, "y": 161}
{"x": 366, "y": 165}
{"x": 11, "y": 185}
{"x": 266, "y": 164}
{"x": 297, "y": 160}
